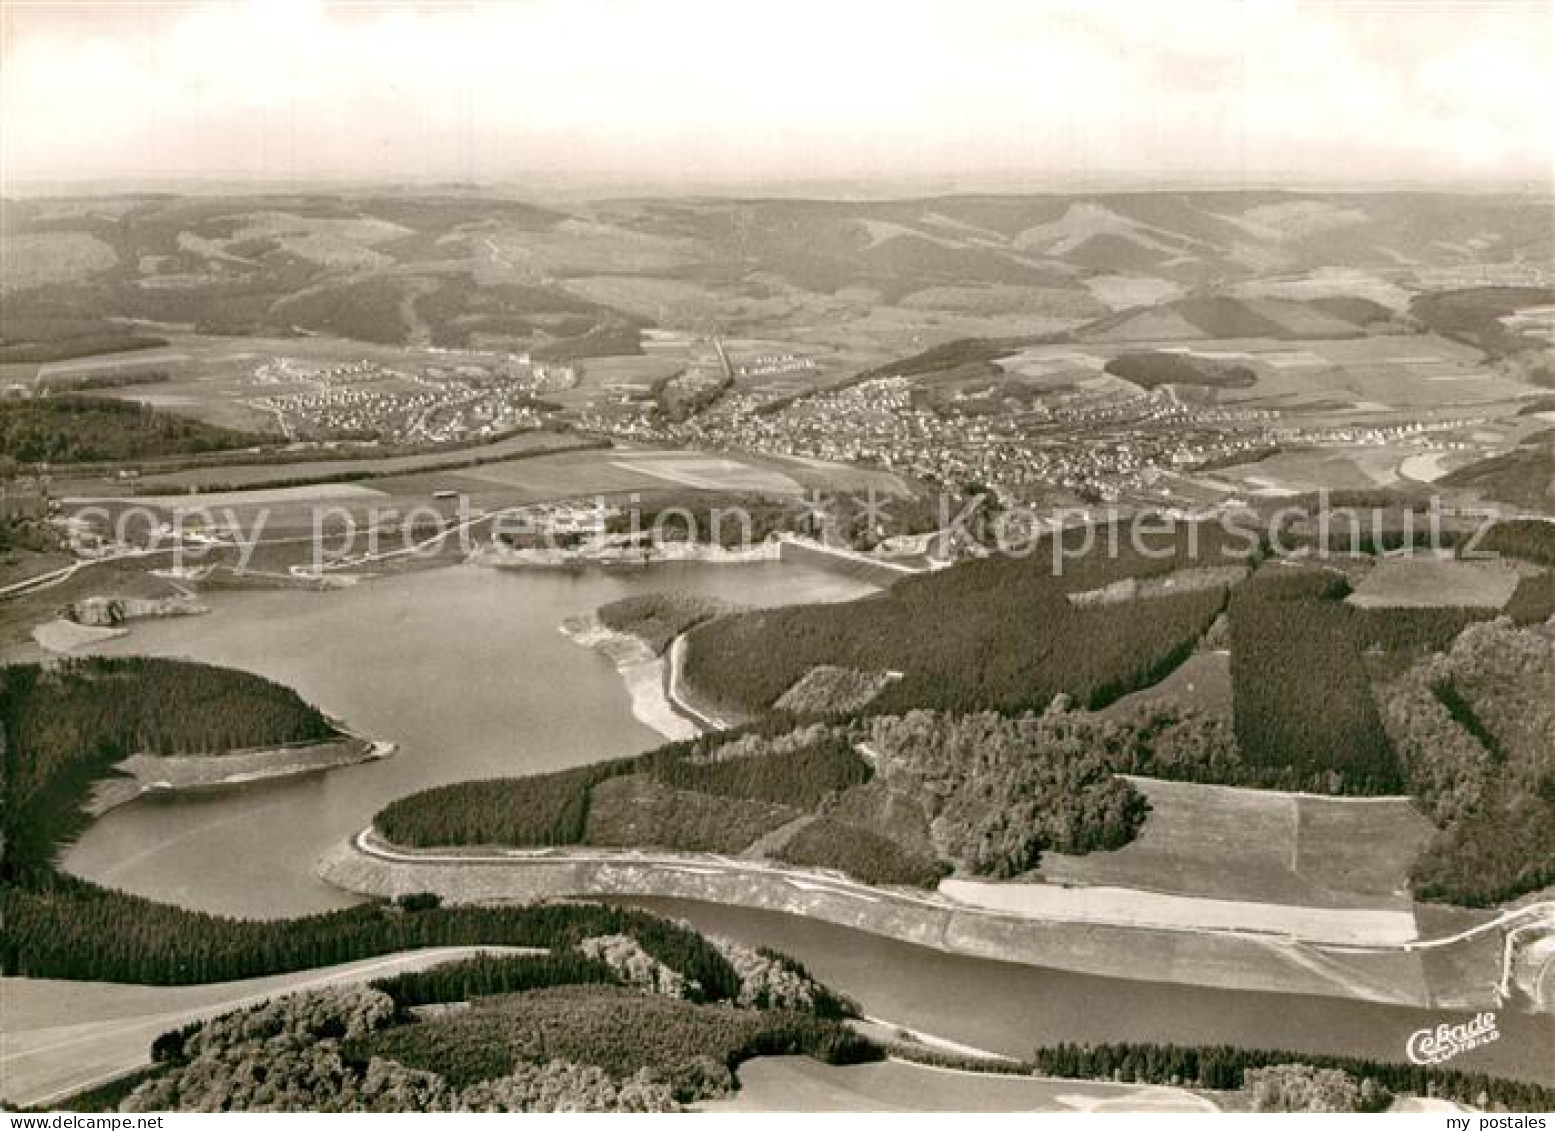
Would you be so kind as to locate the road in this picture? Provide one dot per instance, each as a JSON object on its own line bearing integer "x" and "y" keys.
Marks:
{"x": 42, "y": 580}
{"x": 674, "y": 690}
{"x": 58, "y": 1037}
{"x": 65, "y": 573}
{"x": 1535, "y": 916}
{"x": 369, "y": 844}
{"x": 422, "y": 546}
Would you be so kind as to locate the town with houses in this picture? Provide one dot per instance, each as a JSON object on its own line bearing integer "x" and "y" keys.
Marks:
{"x": 1096, "y": 445}
{"x": 437, "y": 404}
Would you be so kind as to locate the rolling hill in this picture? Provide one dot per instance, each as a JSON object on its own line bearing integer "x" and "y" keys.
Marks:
{"x": 468, "y": 268}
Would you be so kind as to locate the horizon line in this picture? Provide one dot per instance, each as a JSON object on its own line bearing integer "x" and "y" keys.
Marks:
{"x": 861, "y": 187}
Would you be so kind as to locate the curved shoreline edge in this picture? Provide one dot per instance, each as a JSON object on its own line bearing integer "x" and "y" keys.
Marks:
{"x": 1212, "y": 958}
{"x": 644, "y": 674}
{"x": 190, "y": 773}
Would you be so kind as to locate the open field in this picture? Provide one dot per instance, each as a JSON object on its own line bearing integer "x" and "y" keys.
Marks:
{"x": 1418, "y": 371}
{"x": 108, "y": 1028}
{"x": 705, "y": 473}
{"x": 1239, "y": 959}
{"x": 1255, "y": 845}
{"x": 1425, "y": 467}
{"x": 53, "y": 257}
{"x": 579, "y": 473}
{"x": 1202, "y": 681}
{"x": 1379, "y": 373}
{"x": 164, "y": 357}
{"x": 651, "y": 473}
{"x": 1361, "y": 847}
{"x": 1392, "y": 371}
{"x": 1057, "y": 365}
{"x": 1131, "y": 906}
{"x": 584, "y": 473}
{"x": 611, "y": 471}
{"x": 1326, "y": 281}
{"x": 1301, "y": 471}
{"x": 1400, "y": 371}
{"x": 1123, "y": 291}
{"x": 240, "y": 476}
{"x": 1451, "y": 967}
{"x": 792, "y": 1083}
{"x": 19, "y": 565}
{"x": 257, "y": 497}
{"x": 834, "y": 478}
{"x": 1416, "y": 581}
{"x": 665, "y": 300}
{"x": 284, "y": 520}
{"x": 215, "y": 378}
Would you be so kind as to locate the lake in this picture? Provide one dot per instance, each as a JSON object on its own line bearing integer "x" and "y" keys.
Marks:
{"x": 1011, "y": 1008}
{"x": 463, "y": 667}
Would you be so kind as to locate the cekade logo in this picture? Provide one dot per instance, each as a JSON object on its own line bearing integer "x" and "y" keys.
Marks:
{"x": 1435, "y": 1046}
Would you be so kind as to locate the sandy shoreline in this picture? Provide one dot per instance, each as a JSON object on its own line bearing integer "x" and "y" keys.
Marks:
{"x": 1218, "y": 958}
{"x": 61, "y": 636}
{"x": 499, "y": 558}
{"x": 642, "y": 672}
{"x": 183, "y": 773}
{"x": 93, "y": 620}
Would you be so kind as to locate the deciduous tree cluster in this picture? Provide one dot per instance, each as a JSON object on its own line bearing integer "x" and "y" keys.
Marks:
{"x": 1475, "y": 729}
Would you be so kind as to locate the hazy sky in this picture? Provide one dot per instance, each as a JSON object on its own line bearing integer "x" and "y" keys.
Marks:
{"x": 738, "y": 91}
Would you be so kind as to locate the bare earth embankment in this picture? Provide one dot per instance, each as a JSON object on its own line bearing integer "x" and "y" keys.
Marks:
{"x": 642, "y": 672}
{"x": 1208, "y": 956}
{"x": 153, "y": 773}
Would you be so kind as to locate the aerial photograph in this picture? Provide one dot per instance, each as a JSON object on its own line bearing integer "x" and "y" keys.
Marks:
{"x": 634, "y": 556}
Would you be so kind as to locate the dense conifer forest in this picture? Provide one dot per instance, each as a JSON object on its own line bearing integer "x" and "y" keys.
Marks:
{"x": 1011, "y": 763}
{"x": 1226, "y": 1067}
{"x": 995, "y": 634}
{"x": 297, "y": 1053}
{"x": 657, "y": 618}
{"x": 57, "y": 926}
{"x": 66, "y": 726}
{"x": 1441, "y": 702}
{"x": 86, "y": 429}
{"x": 1304, "y": 711}
{"x": 997, "y": 791}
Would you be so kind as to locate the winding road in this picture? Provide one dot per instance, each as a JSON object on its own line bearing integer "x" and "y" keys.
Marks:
{"x": 60, "y": 1037}
{"x": 369, "y": 844}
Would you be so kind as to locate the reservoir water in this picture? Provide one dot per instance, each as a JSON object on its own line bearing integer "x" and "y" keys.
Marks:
{"x": 1011, "y": 1008}
{"x": 465, "y": 670}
